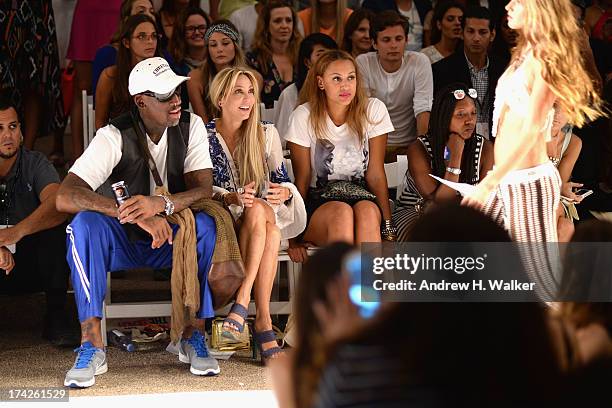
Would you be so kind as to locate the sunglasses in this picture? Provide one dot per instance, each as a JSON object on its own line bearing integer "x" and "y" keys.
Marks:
{"x": 459, "y": 94}
{"x": 163, "y": 98}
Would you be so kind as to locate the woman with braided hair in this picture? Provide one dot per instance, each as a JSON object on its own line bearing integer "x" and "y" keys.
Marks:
{"x": 451, "y": 150}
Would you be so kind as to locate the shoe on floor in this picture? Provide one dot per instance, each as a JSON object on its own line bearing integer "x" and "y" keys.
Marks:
{"x": 195, "y": 352}
{"x": 90, "y": 361}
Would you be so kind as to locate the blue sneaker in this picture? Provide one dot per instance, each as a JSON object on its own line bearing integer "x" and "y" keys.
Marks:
{"x": 195, "y": 352}
{"x": 90, "y": 361}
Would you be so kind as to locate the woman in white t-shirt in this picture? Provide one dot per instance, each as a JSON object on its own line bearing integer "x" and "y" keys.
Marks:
{"x": 250, "y": 177}
{"x": 337, "y": 138}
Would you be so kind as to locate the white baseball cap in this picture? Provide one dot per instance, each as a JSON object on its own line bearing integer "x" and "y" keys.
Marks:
{"x": 154, "y": 75}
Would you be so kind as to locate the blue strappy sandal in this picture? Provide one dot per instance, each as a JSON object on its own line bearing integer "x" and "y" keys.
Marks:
{"x": 265, "y": 337}
{"x": 241, "y": 311}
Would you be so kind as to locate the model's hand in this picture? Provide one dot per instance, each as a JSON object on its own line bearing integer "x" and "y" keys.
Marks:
{"x": 247, "y": 195}
{"x": 277, "y": 194}
{"x": 567, "y": 190}
{"x": 6, "y": 260}
{"x": 10, "y": 236}
{"x": 479, "y": 197}
{"x": 138, "y": 208}
{"x": 159, "y": 229}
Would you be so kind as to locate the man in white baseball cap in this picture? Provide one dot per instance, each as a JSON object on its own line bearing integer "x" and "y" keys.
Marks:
{"x": 105, "y": 236}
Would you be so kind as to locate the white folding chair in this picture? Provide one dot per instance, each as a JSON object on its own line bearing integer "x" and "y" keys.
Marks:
{"x": 89, "y": 129}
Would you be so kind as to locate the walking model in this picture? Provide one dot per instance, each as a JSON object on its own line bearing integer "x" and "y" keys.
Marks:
{"x": 522, "y": 191}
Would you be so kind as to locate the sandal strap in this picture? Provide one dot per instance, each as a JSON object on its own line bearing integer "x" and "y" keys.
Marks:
{"x": 265, "y": 336}
{"x": 240, "y": 310}
{"x": 239, "y": 326}
{"x": 271, "y": 352}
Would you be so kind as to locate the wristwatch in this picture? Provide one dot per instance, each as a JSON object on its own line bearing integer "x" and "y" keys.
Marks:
{"x": 169, "y": 209}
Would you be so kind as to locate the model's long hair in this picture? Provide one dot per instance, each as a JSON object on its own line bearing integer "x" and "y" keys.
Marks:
{"x": 177, "y": 46}
{"x": 262, "y": 43}
{"x": 125, "y": 11}
{"x": 352, "y": 24}
{"x": 316, "y": 18}
{"x": 441, "y": 114}
{"x": 306, "y": 47}
{"x": 121, "y": 99}
{"x": 551, "y": 31}
{"x": 209, "y": 70}
{"x": 250, "y": 149}
{"x": 356, "y": 111}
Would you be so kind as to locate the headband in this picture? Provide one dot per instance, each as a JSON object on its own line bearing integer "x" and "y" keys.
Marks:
{"x": 223, "y": 29}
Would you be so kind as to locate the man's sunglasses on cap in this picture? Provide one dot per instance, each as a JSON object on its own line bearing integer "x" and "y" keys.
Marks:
{"x": 459, "y": 94}
{"x": 163, "y": 97}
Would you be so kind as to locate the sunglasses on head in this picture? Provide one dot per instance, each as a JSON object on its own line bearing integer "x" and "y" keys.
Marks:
{"x": 459, "y": 94}
{"x": 163, "y": 97}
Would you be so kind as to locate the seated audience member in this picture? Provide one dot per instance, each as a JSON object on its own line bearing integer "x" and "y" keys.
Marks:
{"x": 139, "y": 41}
{"x": 598, "y": 20}
{"x": 506, "y": 39}
{"x": 563, "y": 151}
{"x": 414, "y": 10}
{"x": 452, "y": 150}
{"x": 222, "y": 51}
{"x": 446, "y": 30}
{"x": 103, "y": 237}
{"x": 32, "y": 238}
{"x": 338, "y": 137}
{"x": 106, "y": 56}
{"x": 311, "y": 48}
{"x": 402, "y": 80}
{"x": 340, "y": 356}
{"x": 245, "y": 20}
{"x": 275, "y": 49}
{"x": 474, "y": 65}
{"x": 357, "y": 33}
{"x": 170, "y": 11}
{"x": 187, "y": 48}
{"x": 250, "y": 176}
{"x": 326, "y": 17}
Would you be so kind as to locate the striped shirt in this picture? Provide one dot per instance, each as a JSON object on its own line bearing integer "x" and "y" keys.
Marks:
{"x": 480, "y": 82}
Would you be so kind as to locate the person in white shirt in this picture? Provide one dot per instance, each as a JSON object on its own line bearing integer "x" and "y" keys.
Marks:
{"x": 446, "y": 30}
{"x": 401, "y": 79}
{"x": 337, "y": 138}
{"x": 105, "y": 236}
{"x": 311, "y": 48}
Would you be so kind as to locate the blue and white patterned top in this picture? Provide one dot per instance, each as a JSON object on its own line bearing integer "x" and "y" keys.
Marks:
{"x": 225, "y": 169}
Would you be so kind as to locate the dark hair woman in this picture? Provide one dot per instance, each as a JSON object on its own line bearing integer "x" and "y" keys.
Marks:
{"x": 451, "y": 150}
{"x": 357, "y": 33}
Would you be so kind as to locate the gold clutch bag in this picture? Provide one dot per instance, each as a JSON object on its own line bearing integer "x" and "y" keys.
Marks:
{"x": 218, "y": 342}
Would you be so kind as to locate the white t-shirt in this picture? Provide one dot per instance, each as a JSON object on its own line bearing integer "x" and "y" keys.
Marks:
{"x": 104, "y": 153}
{"x": 415, "y": 28}
{"x": 287, "y": 102}
{"x": 406, "y": 92}
{"x": 340, "y": 156}
{"x": 245, "y": 20}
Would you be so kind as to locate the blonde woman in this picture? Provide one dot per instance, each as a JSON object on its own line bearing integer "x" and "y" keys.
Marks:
{"x": 337, "y": 138}
{"x": 250, "y": 177}
{"x": 327, "y": 17}
{"x": 523, "y": 189}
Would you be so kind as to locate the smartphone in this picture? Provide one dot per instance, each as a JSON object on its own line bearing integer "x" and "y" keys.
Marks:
{"x": 583, "y": 192}
{"x": 352, "y": 266}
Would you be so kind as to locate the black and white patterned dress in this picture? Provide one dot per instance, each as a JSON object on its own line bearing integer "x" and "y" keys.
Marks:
{"x": 405, "y": 213}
